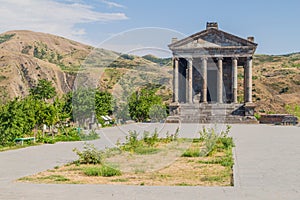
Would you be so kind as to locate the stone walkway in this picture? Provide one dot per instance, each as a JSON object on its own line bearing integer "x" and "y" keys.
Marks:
{"x": 267, "y": 167}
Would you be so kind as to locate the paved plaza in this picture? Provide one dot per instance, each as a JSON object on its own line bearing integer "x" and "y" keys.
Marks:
{"x": 267, "y": 166}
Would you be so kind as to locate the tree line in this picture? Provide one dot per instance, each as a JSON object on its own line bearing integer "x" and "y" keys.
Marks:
{"x": 26, "y": 116}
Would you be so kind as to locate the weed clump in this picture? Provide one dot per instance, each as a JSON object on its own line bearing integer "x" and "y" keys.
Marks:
{"x": 89, "y": 155}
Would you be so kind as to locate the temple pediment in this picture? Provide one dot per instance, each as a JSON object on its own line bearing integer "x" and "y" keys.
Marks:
{"x": 212, "y": 38}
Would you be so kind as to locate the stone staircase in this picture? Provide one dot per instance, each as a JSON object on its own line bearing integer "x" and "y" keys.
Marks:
{"x": 211, "y": 113}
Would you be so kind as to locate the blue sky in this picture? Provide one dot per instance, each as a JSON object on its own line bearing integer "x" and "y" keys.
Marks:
{"x": 275, "y": 24}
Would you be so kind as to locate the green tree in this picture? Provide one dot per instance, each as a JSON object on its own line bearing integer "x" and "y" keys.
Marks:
{"x": 43, "y": 90}
{"x": 83, "y": 105}
{"x": 122, "y": 112}
{"x": 157, "y": 112}
{"x": 103, "y": 104}
{"x": 141, "y": 101}
{"x": 17, "y": 119}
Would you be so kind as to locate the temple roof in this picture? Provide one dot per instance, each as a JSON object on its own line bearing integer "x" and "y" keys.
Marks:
{"x": 213, "y": 39}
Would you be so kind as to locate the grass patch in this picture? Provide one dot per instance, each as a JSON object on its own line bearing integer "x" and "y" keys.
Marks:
{"x": 54, "y": 177}
{"x": 120, "y": 180}
{"x": 149, "y": 143}
{"x": 183, "y": 184}
{"x": 103, "y": 170}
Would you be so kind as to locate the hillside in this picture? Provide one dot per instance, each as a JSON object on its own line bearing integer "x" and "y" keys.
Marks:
{"x": 276, "y": 82}
{"x": 27, "y": 56}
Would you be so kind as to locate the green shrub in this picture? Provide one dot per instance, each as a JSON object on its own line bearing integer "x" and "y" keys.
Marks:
{"x": 89, "y": 155}
{"x": 212, "y": 142}
{"x": 257, "y": 116}
{"x": 6, "y": 37}
{"x": 105, "y": 171}
{"x": 192, "y": 152}
{"x": 149, "y": 139}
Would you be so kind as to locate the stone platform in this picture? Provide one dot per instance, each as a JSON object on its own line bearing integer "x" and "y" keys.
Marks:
{"x": 210, "y": 113}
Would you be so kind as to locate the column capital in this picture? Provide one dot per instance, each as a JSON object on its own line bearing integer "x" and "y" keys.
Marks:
{"x": 234, "y": 58}
{"x": 189, "y": 59}
{"x": 249, "y": 58}
{"x": 176, "y": 58}
{"x": 204, "y": 58}
{"x": 219, "y": 58}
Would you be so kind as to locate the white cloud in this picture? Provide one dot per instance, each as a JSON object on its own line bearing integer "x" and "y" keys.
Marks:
{"x": 113, "y": 4}
{"x": 51, "y": 16}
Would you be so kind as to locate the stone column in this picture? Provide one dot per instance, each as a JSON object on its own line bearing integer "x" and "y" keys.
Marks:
{"x": 220, "y": 81}
{"x": 245, "y": 83}
{"x": 190, "y": 80}
{"x": 176, "y": 79}
{"x": 234, "y": 80}
{"x": 187, "y": 85}
{"x": 204, "y": 77}
{"x": 248, "y": 79}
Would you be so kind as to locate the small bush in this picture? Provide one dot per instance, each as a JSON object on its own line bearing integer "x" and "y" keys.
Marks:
{"x": 149, "y": 139}
{"x": 192, "y": 152}
{"x": 105, "y": 171}
{"x": 89, "y": 155}
{"x": 212, "y": 140}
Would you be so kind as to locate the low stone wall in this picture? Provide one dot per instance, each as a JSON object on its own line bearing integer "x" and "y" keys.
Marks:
{"x": 283, "y": 119}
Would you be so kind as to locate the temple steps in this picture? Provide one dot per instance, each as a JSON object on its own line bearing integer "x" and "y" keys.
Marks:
{"x": 210, "y": 113}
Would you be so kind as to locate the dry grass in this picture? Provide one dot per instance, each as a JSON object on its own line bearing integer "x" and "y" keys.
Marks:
{"x": 165, "y": 168}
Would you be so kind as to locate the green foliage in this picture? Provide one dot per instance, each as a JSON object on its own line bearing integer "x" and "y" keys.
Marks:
{"x": 293, "y": 110}
{"x": 192, "y": 152}
{"x": 24, "y": 117}
{"x": 127, "y": 56}
{"x": 103, "y": 104}
{"x": 158, "y": 113}
{"x": 89, "y": 155}
{"x": 160, "y": 61}
{"x": 257, "y": 116}
{"x": 26, "y": 49}
{"x": 17, "y": 119}
{"x": 83, "y": 104}
{"x": 212, "y": 142}
{"x": 103, "y": 170}
{"x": 122, "y": 112}
{"x": 6, "y": 37}
{"x": 43, "y": 90}
{"x": 225, "y": 161}
{"x": 142, "y": 101}
{"x": 2, "y": 77}
{"x": 58, "y": 178}
{"x": 147, "y": 144}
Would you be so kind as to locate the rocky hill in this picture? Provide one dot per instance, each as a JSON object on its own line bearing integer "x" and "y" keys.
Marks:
{"x": 27, "y": 56}
{"x": 276, "y": 82}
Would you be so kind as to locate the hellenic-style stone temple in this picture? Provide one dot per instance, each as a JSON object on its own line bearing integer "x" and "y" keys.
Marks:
{"x": 205, "y": 77}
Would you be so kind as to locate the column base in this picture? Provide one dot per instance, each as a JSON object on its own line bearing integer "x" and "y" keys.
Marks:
{"x": 249, "y": 108}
